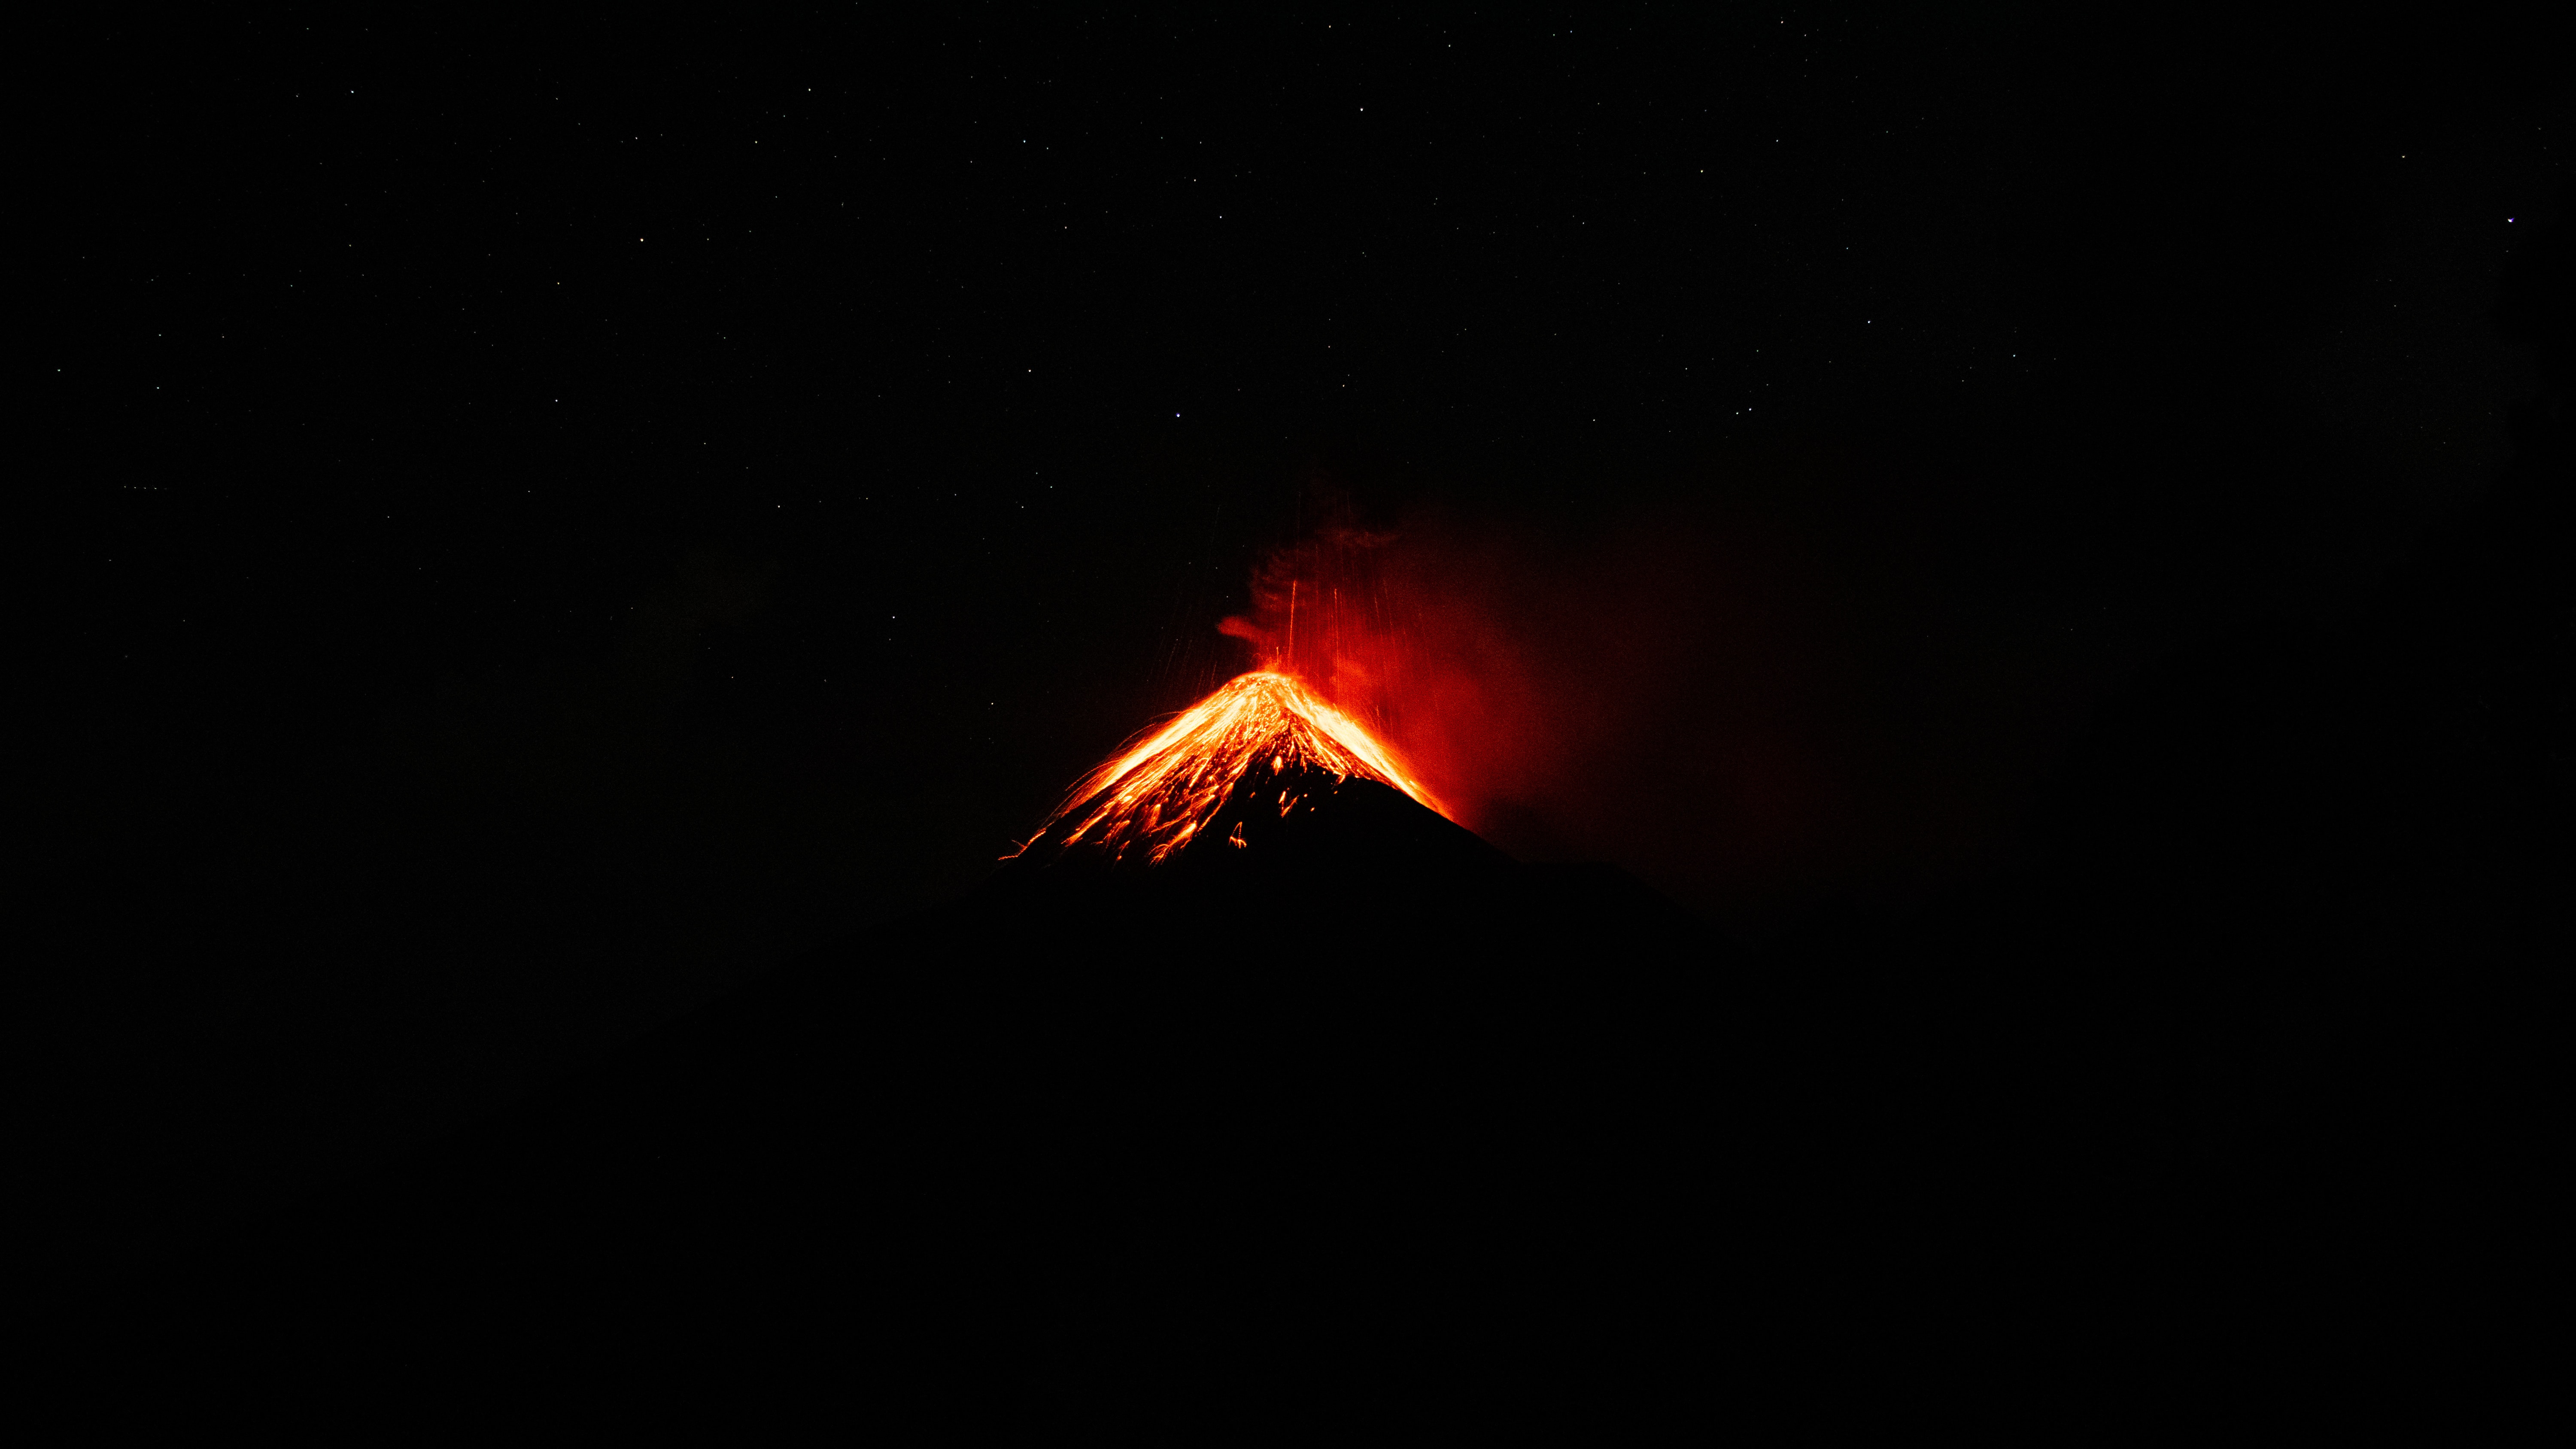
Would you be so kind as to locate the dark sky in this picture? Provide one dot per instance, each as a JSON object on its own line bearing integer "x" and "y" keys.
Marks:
{"x": 555, "y": 522}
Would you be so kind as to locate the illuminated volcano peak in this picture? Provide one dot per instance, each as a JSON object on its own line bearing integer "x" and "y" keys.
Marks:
{"x": 1259, "y": 730}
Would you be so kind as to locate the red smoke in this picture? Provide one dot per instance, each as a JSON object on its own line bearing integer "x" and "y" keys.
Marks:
{"x": 1634, "y": 697}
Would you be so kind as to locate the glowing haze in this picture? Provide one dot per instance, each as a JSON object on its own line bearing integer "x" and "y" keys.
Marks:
{"x": 1621, "y": 693}
{"x": 1627, "y": 694}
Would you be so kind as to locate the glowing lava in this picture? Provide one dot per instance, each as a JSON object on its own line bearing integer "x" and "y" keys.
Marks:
{"x": 1159, "y": 795}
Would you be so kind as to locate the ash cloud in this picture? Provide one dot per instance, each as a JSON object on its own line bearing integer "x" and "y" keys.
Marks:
{"x": 1697, "y": 696}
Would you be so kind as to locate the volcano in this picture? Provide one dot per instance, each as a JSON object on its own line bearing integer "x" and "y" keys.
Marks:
{"x": 1251, "y": 1076}
{"x": 1259, "y": 781}
{"x": 1257, "y": 750}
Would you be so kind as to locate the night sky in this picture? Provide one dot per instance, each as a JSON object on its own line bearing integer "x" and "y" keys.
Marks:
{"x": 546, "y": 527}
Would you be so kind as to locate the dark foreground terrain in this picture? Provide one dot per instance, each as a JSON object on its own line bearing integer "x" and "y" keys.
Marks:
{"x": 1381, "y": 1121}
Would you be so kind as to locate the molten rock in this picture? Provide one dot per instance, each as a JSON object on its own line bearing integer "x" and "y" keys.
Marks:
{"x": 1246, "y": 770}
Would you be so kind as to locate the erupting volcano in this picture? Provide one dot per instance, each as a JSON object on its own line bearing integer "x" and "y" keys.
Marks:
{"x": 1255, "y": 753}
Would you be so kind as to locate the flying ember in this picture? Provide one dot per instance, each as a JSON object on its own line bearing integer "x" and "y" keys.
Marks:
{"x": 1160, "y": 795}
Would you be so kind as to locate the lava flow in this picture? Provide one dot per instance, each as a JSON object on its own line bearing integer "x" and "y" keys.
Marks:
{"x": 1159, "y": 796}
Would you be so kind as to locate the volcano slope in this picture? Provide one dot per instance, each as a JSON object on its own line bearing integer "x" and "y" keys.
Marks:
{"x": 1357, "y": 1113}
{"x": 1358, "y": 1085}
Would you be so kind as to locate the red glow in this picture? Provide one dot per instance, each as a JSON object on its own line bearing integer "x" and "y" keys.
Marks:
{"x": 1627, "y": 696}
{"x": 1606, "y": 697}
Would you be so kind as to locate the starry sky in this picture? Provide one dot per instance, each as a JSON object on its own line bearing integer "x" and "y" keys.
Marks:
{"x": 553, "y": 523}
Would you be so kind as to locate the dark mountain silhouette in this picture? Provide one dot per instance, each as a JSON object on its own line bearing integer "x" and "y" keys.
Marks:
{"x": 1364, "y": 1091}
{"x": 1367, "y": 1115}
{"x": 1357, "y": 1114}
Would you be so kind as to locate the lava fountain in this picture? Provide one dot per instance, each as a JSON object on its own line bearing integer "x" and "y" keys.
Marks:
{"x": 1159, "y": 796}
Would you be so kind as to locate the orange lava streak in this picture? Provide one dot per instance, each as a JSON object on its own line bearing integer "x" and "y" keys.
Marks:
{"x": 1164, "y": 790}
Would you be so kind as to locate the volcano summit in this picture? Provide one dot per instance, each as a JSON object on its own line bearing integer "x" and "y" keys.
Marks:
{"x": 1260, "y": 749}
{"x": 1258, "y": 782}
